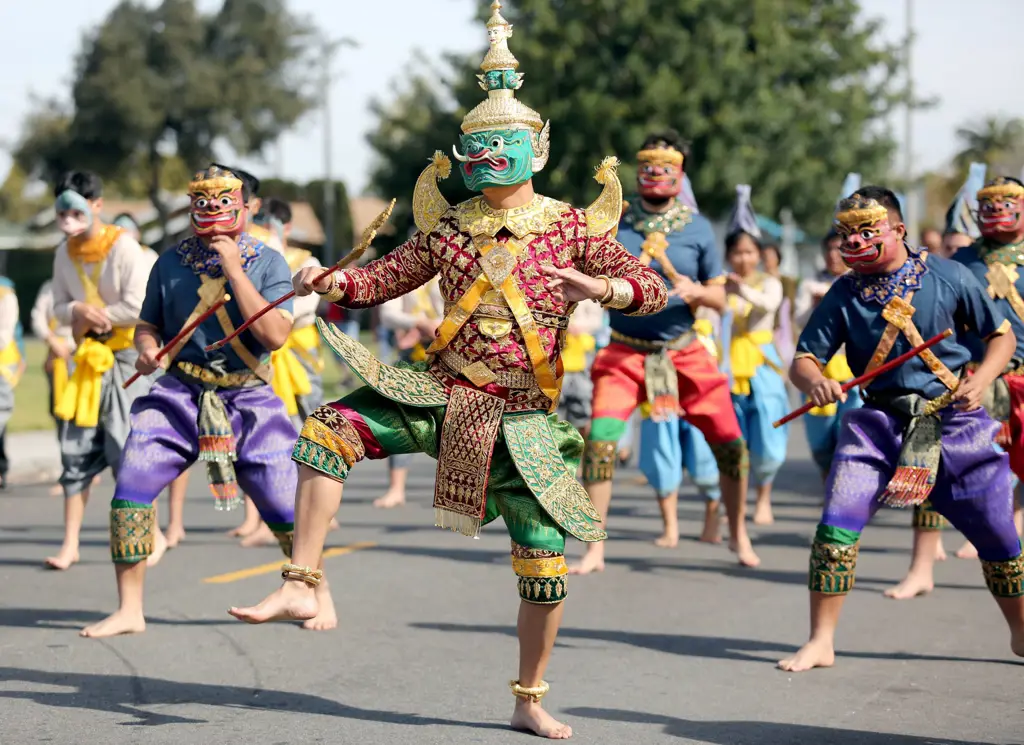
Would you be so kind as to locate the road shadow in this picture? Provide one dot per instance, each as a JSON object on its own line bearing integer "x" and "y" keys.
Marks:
{"x": 72, "y": 619}
{"x": 124, "y": 694}
{"x": 759, "y": 733}
{"x": 709, "y": 647}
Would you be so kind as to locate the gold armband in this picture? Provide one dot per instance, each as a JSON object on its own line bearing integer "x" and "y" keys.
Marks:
{"x": 534, "y": 694}
{"x": 334, "y": 293}
{"x": 619, "y": 295}
{"x": 311, "y": 577}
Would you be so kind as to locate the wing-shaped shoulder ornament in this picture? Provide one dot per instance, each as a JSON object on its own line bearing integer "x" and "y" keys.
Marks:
{"x": 604, "y": 214}
{"x": 428, "y": 205}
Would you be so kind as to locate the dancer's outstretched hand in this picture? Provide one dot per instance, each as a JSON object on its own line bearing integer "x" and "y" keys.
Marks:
{"x": 304, "y": 281}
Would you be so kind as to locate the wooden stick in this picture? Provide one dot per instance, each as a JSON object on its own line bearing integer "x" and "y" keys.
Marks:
{"x": 871, "y": 375}
{"x": 183, "y": 333}
{"x": 368, "y": 235}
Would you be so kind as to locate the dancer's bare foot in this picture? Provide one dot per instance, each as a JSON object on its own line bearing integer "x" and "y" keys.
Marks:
{"x": 67, "y": 556}
{"x": 966, "y": 551}
{"x": 913, "y": 585}
{"x": 811, "y": 655}
{"x": 262, "y": 536}
{"x": 292, "y": 601}
{"x": 326, "y": 618}
{"x": 940, "y": 552}
{"x": 175, "y": 535}
{"x": 531, "y": 717}
{"x": 159, "y": 548}
{"x": 390, "y": 499}
{"x": 246, "y": 529}
{"x": 117, "y": 623}
{"x": 667, "y": 540}
{"x": 763, "y": 514}
{"x": 745, "y": 552}
{"x": 592, "y": 561}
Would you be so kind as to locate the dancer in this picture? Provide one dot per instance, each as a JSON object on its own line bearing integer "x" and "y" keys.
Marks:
{"x": 758, "y": 388}
{"x": 660, "y": 359}
{"x": 785, "y": 339}
{"x": 512, "y": 264}
{"x": 921, "y": 433}
{"x": 413, "y": 319}
{"x": 577, "y": 357}
{"x": 822, "y": 424}
{"x": 60, "y": 346}
{"x": 994, "y": 259}
{"x": 99, "y": 282}
{"x": 12, "y": 365}
{"x": 216, "y": 407}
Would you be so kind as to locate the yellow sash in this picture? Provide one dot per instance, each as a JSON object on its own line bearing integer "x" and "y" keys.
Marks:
{"x": 60, "y": 380}
{"x": 745, "y": 356}
{"x": 10, "y": 363}
{"x": 706, "y": 336}
{"x": 80, "y": 399}
{"x": 290, "y": 377}
{"x": 838, "y": 369}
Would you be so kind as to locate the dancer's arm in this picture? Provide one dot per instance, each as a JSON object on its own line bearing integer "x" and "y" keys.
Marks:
{"x": 272, "y": 329}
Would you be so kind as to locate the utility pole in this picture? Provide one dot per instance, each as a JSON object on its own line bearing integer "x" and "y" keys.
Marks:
{"x": 908, "y": 133}
{"x": 328, "y": 51}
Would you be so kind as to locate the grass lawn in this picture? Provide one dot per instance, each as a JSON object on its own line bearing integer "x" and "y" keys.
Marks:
{"x": 32, "y": 396}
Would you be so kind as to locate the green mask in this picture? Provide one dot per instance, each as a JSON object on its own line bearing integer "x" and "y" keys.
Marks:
{"x": 496, "y": 157}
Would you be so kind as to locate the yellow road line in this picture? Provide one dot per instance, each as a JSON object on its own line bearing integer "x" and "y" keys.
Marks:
{"x": 276, "y": 566}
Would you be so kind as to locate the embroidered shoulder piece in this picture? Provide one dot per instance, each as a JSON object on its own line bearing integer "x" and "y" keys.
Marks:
{"x": 994, "y": 253}
{"x": 202, "y": 260}
{"x": 672, "y": 220}
{"x": 881, "y": 288}
{"x": 476, "y": 217}
{"x": 428, "y": 204}
{"x": 603, "y": 215}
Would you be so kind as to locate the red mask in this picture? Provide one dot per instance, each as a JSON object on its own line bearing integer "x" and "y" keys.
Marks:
{"x": 217, "y": 205}
{"x": 1001, "y": 211}
{"x": 868, "y": 241}
{"x": 659, "y": 173}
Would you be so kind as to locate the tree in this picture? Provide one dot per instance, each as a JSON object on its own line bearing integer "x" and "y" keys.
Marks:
{"x": 158, "y": 88}
{"x": 786, "y": 95}
{"x": 996, "y": 141}
{"x": 313, "y": 193}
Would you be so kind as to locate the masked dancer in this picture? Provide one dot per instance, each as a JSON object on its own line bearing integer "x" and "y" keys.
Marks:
{"x": 512, "y": 265}
{"x": 217, "y": 407}
{"x": 922, "y": 433}
{"x": 99, "y": 282}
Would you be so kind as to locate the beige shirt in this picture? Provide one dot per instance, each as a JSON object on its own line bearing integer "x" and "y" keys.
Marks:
{"x": 758, "y": 304}
{"x": 303, "y": 308}
{"x": 8, "y": 316}
{"x": 122, "y": 282}
{"x": 43, "y": 318}
{"x": 402, "y": 313}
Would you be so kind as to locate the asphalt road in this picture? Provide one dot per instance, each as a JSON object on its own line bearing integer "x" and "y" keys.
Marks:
{"x": 665, "y": 647}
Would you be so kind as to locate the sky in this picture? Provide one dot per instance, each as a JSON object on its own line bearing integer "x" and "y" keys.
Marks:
{"x": 964, "y": 55}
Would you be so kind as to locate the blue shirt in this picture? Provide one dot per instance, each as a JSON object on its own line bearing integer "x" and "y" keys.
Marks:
{"x": 971, "y": 258}
{"x": 172, "y": 295}
{"x": 692, "y": 253}
{"x": 946, "y": 296}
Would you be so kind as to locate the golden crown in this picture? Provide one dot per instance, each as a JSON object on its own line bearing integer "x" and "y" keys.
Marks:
{"x": 661, "y": 156}
{"x": 1001, "y": 188}
{"x": 856, "y": 211}
{"x": 214, "y": 178}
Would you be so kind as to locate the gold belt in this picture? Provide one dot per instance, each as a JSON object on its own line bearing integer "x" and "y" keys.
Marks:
{"x": 486, "y": 310}
{"x": 245, "y": 379}
{"x": 651, "y": 345}
{"x": 479, "y": 374}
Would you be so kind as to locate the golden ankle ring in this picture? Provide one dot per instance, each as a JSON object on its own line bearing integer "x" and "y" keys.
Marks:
{"x": 534, "y": 694}
{"x": 311, "y": 577}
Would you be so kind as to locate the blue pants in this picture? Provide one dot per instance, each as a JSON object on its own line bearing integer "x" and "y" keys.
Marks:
{"x": 666, "y": 448}
{"x": 766, "y": 403}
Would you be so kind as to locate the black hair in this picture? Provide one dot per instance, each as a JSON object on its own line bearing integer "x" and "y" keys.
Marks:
{"x": 772, "y": 247}
{"x": 885, "y": 197}
{"x": 668, "y": 138}
{"x": 733, "y": 239}
{"x": 127, "y": 216}
{"x": 250, "y": 184}
{"x": 830, "y": 236}
{"x": 278, "y": 209}
{"x": 86, "y": 183}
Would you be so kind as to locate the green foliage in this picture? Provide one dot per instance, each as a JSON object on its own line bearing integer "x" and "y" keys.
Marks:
{"x": 156, "y": 89}
{"x": 786, "y": 95}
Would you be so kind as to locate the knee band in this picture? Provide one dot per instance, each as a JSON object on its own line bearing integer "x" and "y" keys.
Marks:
{"x": 833, "y": 560}
{"x": 733, "y": 458}
{"x": 599, "y": 461}
{"x": 541, "y": 574}
{"x": 927, "y": 517}
{"x": 1005, "y": 579}
{"x": 329, "y": 444}
{"x": 132, "y": 525}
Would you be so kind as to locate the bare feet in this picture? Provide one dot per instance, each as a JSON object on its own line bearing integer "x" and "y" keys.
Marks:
{"x": 175, "y": 535}
{"x": 712, "y": 532}
{"x": 67, "y": 556}
{"x": 811, "y": 655}
{"x": 247, "y": 528}
{"x": 913, "y": 585}
{"x": 966, "y": 551}
{"x": 326, "y": 618}
{"x": 389, "y": 500}
{"x": 293, "y": 601}
{"x": 159, "y": 548}
{"x": 763, "y": 513}
{"x": 262, "y": 536}
{"x": 117, "y": 623}
{"x": 667, "y": 540}
{"x": 940, "y": 552}
{"x": 531, "y": 717}
{"x": 745, "y": 552}
{"x": 592, "y": 561}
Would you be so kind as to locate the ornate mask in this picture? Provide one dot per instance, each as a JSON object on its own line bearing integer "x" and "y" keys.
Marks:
{"x": 74, "y": 213}
{"x": 659, "y": 173}
{"x": 496, "y": 157}
{"x": 868, "y": 240}
{"x": 1001, "y": 210}
{"x": 217, "y": 205}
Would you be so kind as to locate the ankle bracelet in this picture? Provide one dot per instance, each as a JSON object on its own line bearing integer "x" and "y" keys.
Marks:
{"x": 311, "y": 577}
{"x": 534, "y": 694}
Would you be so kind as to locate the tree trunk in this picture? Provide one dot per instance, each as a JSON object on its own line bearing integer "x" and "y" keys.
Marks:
{"x": 155, "y": 196}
